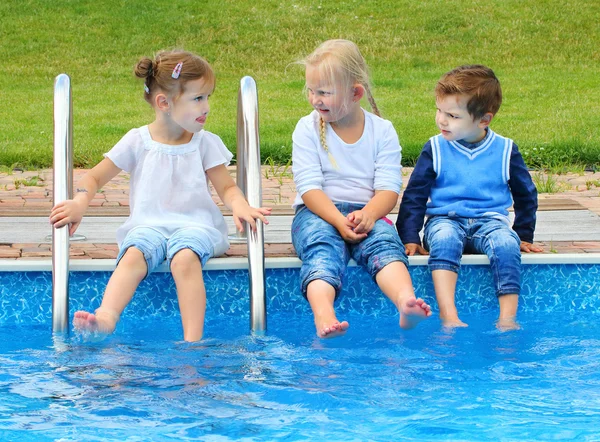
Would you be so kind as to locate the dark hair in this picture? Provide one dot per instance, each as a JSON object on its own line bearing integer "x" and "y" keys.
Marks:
{"x": 157, "y": 73}
{"x": 475, "y": 81}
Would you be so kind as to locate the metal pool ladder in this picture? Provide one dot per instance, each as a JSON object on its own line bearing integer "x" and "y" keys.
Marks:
{"x": 248, "y": 179}
{"x": 250, "y": 182}
{"x": 62, "y": 190}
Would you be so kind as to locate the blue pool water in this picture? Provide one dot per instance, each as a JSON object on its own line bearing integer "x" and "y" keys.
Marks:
{"x": 377, "y": 383}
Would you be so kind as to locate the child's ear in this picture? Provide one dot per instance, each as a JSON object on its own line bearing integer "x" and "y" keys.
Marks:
{"x": 162, "y": 102}
{"x": 486, "y": 120}
{"x": 358, "y": 91}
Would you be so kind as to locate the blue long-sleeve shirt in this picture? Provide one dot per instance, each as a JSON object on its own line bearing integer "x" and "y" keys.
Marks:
{"x": 414, "y": 207}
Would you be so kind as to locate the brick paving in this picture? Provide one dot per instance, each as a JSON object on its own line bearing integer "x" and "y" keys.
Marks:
{"x": 23, "y": 193}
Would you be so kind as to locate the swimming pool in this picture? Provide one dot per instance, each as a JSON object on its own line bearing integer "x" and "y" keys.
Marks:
{"x": 376, "y": 383}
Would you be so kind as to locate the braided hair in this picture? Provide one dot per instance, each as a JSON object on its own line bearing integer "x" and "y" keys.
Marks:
{"x": 342, "y": 62}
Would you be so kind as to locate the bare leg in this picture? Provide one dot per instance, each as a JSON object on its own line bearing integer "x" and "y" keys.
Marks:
{"x": 320, "y": 297}
{"x": 508, "y": 312}
{"x": 191, "y": 293}
{"x": 444, "y": 282}
{"x": 123, "y": 282}
{"x": 394, "y": 281}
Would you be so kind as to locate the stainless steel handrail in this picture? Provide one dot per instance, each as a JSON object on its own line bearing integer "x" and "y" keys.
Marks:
{"x": 249, "y": 180}
{"x": 62, "y": 190}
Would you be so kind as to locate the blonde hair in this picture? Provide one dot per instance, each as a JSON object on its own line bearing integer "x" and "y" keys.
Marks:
{"x": 341, "y": 62}
{"x": 158, "y": 72}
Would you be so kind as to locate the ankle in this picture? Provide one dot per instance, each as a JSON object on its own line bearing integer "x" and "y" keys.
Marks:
{"x": 450, "y": 315}
{"x": 507, "y": 318}
{"x": 403, "y": 298}
{"x": 107, "y": 317}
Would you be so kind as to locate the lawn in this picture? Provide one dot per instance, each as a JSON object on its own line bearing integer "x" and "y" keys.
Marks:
{"x": 545, "y": 53}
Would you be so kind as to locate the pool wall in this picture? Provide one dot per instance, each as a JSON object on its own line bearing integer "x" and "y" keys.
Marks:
{"x": 549, "y": 283}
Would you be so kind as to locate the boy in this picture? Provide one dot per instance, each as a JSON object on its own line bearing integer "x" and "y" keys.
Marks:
{"x": 470, "y": 175}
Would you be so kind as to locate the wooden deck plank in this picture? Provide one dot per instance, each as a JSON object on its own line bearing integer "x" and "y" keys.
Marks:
{"x": 557, "y": 225}
{"x": 545, "y": 204}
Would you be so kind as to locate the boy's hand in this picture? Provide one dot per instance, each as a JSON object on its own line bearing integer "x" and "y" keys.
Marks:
{"x": 412, "y": 248}
{"x": 67, "y": 212}
{"x": 348, "y": 230}
{"x": 243, "y": 212}
{"x": 362, "y": 220}
{"x": 528, "y": 247}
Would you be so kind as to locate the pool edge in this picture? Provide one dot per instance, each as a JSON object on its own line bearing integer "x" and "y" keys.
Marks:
{"x": 41, "y": 265}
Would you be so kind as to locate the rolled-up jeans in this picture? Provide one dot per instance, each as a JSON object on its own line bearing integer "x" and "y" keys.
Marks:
{"x": 325, "y": 254}
{"x": 446, "y": 238}
{"x": 156, "y": 247}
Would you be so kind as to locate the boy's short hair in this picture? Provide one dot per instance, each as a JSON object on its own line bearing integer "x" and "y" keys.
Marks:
{"x": 475, "y": 81}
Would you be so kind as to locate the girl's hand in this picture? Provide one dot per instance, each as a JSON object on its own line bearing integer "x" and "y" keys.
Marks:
{"x": 68, "y": 212}
{"x": 348, "y": 231}
{"x": 412, "y": 248}
{"x": 528, "y": 247}
{"x": 362, "y": 220}
{"x": 243, "y": 212}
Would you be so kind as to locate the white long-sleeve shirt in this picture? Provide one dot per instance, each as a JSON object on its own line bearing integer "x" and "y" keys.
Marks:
{"x": 370, "y": 164}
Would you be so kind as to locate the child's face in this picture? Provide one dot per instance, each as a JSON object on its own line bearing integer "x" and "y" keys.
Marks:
{"x": 455, "y": 122}
{"x": 331, "y": 101}
{"x": 191, "y": 108}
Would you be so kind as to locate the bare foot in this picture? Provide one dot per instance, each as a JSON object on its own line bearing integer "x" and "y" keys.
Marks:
{"x": 331, "y": 330}
{"x": 103, "y": 322}
{"x": 412, "y": 311}
{"x": 507, "y": 324}
{"x": 453, "y": 323}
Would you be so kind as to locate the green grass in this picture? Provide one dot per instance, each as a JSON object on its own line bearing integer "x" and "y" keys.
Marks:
{"x": 544, "y": 52}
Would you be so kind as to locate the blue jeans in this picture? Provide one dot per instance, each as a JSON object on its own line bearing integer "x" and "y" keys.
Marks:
{"x": 156, "y": 247}
{"x": 447, "y": 237}
{"x": 325, "y": 254}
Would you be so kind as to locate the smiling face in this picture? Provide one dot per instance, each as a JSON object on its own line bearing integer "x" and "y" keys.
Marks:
{"x": 455, "y": 122}
{"x": 190, "y": 109}
{"x": 333, "y": 101}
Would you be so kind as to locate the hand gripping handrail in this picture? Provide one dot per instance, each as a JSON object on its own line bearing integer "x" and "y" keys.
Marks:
{"x": 249, "y": 180}
{"x": 62, "y": 190}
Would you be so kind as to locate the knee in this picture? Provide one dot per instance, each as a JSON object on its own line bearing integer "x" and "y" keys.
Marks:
{"x": 135, "y": 262}
{"x": 445, "y": 241}
{"x": 506, "y": 245}
{"x": 185, "y": 262}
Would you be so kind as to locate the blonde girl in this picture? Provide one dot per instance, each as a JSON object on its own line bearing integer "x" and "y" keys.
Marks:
{"x": 173, "y": 216}
{"x": 346, "y": 165}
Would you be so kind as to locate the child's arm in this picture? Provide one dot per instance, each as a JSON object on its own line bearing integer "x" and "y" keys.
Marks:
{"x": 525, "y": 201}
{"x": 380, "y": 205}
{"x": 387, "y": 181}
{"x": 414, "y": 202}
{"x": 308, "y": 177}
{"x": 319, "y": 203}
{"x": 234, "y": 199}
{"x": 72, "y": 211}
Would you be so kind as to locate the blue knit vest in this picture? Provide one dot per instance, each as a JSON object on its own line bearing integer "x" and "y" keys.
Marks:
{"x": 471, "y": 183}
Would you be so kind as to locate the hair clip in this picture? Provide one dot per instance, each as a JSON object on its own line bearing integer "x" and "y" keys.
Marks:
{"x": 146, "y": 89}
{"x": 177, "y": 70}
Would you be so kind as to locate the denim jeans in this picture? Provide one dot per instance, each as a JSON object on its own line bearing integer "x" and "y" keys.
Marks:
{"x": 325, "y": 254}
{"x": 156, "y": 247}
{"x": 447, "y": 237}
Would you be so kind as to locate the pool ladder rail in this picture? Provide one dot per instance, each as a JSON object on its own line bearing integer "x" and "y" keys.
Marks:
{"x": 248, "y": 179}
{"x": 62, "y": 190}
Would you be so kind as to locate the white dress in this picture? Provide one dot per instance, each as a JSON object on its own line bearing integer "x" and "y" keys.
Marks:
{"x": 168, "y": 185}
